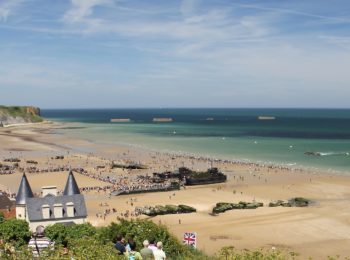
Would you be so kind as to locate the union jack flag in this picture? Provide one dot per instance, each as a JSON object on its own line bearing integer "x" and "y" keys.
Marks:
{"x": 190, "y": 238}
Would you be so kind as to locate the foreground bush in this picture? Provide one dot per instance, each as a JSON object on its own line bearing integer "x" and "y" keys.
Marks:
{"x": 15, "y": 231}
{"x": 87, "y": 242}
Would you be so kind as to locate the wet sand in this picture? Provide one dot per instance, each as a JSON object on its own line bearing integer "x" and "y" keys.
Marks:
{"x": 318, "y": 231}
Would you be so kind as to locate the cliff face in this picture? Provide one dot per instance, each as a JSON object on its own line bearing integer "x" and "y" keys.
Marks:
{"x": 19, "y": 115}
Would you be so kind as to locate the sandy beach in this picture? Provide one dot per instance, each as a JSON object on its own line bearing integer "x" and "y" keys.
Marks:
{"x": 316, "y": 231}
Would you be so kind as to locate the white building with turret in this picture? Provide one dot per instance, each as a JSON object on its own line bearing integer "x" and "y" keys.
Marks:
{"x": 51, "y": 208}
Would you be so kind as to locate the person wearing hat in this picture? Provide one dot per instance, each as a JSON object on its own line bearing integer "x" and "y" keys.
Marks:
{"x": 38, "y": 243}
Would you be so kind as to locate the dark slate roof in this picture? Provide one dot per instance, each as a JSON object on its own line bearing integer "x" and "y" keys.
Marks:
{"x": 24, "y": 191}
{"x": 35, "y": 211}
{"x": 5, "y": 202}
{"x": 71, "y": 185}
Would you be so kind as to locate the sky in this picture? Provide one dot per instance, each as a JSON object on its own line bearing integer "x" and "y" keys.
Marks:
{"x": 162, "y": 53}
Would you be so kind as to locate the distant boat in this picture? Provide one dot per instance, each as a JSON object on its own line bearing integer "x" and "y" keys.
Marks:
{"x": 210, "y": 119}
{"x": 266, "y": 118}
{"x": 120, "y": 120}
{"x": 162, "y": 119}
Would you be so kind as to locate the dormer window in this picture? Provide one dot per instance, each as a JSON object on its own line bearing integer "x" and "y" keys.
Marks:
{"x": 45, "y": 211}
{"x": 70, "y": 209}
{"x": 58, "y": 210}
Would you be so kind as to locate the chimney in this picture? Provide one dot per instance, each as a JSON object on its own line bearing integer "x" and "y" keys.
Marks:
{"x": 46, "y": 211}
{"x": 70, "y": 209}
{"x": 58, "y": 210}
{"x": 49, "y": 190}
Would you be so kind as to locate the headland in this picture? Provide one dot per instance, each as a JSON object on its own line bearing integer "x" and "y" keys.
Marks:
{"x": 19, "y": 115}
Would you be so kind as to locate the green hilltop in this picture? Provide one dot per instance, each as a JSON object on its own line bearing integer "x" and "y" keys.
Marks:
{"x": 19, "y": 114}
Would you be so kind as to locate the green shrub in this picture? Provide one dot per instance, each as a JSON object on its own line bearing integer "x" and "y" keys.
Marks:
{"x": 15, "y": 231}
{"x": 75, "y": 232}
{"x": 92, "y": 248}
{"x": 58, "y": 233}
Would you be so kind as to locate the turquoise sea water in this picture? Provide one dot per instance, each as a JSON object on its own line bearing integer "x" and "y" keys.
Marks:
{"x": 235, "y": 134}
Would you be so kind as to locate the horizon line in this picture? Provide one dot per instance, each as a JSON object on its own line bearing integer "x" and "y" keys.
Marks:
{"x": 101, "y": 108}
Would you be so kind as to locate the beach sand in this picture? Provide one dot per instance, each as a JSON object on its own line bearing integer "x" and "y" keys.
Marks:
{"x": 316, "y": 231}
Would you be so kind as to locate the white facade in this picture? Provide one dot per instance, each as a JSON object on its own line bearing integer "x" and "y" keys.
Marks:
{"x": 34, "y": 224}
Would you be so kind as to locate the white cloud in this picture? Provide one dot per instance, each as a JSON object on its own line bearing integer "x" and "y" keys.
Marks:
{"x": 284, "y": 11}
{"x": 228, "y": 52}
{"x": 82, "y": 9}
{"x": 7, "y": 7}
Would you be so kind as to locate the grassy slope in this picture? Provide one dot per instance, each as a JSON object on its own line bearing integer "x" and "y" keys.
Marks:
{"x": 30, "y": 114}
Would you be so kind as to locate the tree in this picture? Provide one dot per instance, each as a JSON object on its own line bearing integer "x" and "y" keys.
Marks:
{"x": 75, "y": 232}
{"x": 91, "y": 248}
{"x": 58, "y": 233}
{"x": 15, "y": 231}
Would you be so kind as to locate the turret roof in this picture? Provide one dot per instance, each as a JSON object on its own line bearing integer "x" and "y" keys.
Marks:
{"x": 71, "y": 185}
{"x": 24, "y": 191}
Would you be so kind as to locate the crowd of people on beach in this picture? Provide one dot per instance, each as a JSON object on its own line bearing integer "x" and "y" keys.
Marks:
{"x": 210, "y": 160}
{"x": 135, "y": 212}
{"x": 8, "y": 194}
{"x": 141, "y": 184}
{"x": 7, "y": 169}
{"x": 123, "y": 184}
{"x": 33, "y": 169}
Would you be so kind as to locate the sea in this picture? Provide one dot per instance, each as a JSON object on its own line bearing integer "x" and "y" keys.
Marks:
{"x": 316, "y": 139}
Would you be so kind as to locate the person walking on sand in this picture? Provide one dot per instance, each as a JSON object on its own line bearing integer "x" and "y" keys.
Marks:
{"x": 159, "y": 254}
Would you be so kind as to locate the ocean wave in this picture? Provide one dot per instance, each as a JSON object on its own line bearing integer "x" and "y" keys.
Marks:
{"x": 332, "y": 153}
{"x": 291, "y": 164}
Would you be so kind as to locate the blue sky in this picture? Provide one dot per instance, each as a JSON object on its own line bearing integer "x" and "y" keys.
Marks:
{"x": 218, "y": 53}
